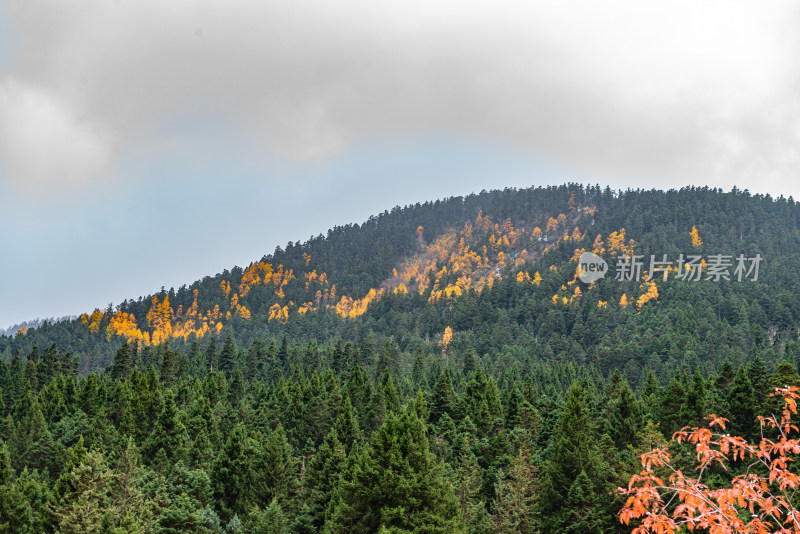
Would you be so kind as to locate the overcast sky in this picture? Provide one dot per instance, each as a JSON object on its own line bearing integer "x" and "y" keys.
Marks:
{"x": 149, "y": 143}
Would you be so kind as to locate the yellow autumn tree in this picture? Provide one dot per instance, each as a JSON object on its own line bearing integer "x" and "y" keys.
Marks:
{"x": 598, "y": 246}
{"x": 623, "y": 301}
{"x": 650, "y": 294}
{"x": 696, "y": 241}
{"x": 159, "y": 318}
{"x": 616, "y": 242}
{"x": 447, "y": 337}
{"x": 577, "y": 294}
{"x": 225, "y": 287}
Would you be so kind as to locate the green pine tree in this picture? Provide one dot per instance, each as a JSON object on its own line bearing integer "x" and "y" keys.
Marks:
{"x": 322, "y": 476}
{"x": 395, "y": 484}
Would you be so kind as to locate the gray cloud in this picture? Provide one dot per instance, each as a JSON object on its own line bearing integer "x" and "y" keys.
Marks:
{"x": 675, "y": 92}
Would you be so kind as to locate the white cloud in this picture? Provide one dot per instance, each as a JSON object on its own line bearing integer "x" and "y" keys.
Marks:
{"x": 43, "y": 144}
{"x": 675, "y": 91}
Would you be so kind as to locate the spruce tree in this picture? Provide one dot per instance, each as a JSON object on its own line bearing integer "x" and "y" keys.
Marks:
{"x": 574, "y": 448}
{"x": 227, "y": 357}
{"x": 83, "y": 508}
{"x": 168, "y": 432}
{"x": 395, "y": 483}
{"x": 322, "y": 476}
{"x": 271, "y": 520}
{"x": 273, "y": 472}
{"x": 211, "y": 355}
{"x": 468, "y": 487}
{"x": 231, "y": 474}
{"x": 517, "y": 494}
{"x": 743, "y": 403}
{"x": 444, "y": 398}
{"x": 418, "y": 378}
{"x": 625, "y": 419}
{"x": 123, "y": 364}
{"x": 582, "y": 513}
{"x": 346, "y": 425}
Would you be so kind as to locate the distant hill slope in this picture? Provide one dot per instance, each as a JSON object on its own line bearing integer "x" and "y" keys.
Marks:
{"x": 496, "y": 271}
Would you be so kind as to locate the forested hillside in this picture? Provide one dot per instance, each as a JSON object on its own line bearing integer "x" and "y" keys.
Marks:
{"x": 439, "y": 368}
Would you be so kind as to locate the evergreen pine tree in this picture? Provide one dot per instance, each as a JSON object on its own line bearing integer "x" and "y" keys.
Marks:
{"x": 322, "y": 476}
{"x": 468, "y": 487}
{"x": 231, "y": 474}
{"x": 515, "y": 507}
{"x": 444, "y": 398}
{"x": 271, "y": 520}
{"x": 211, "y": 355}
{"x": 168, "y": 432}
{"x": 418, "y": 375}
{"x": 122, "y": 367}
{"x": 582, "y": 513}
{"x": 743, "y": 402}
{"x": 574, "y": 448}
{"x": 395, "y": 483}
{"x": 274, "y": 469}
{"x": 227, "y": 357}
{"x": 346, "y": 425}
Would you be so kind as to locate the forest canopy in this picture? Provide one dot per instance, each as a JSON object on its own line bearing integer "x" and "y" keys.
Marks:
{"x": 441, "y": 367}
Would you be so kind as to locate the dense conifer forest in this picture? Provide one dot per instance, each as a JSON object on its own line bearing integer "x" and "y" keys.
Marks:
{"x": 439, "y": 368}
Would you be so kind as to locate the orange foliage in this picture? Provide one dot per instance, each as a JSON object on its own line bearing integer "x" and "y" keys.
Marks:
{"x": 314, "y": 278}
{"x": 598, "y": 245}
{"x": 123, "y": 324}
{"x": 93, "y": 320}
{"x": 759, "y": 501}
{"x": 623, "y": 301}
{"x": 278, "y": 313}
{"x": 577, "y": 294}
{"x": 164, "y": 323}
{"x": 347, "y": 307}
{"x": 447, "y": 337}
{"x": 577, "y": 254}
{"x": 650, "y": 294}
{"x": 696, "y": 241}
{"x": 159, "y": 318}
{"x": 616, "y": 243}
